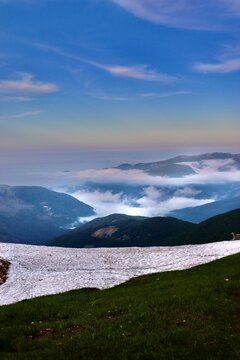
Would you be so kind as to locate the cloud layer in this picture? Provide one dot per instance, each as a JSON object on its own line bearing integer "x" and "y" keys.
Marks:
{"x": 151, "y": 203}
{"x": 158, "y": 195}
{"x": 208, "y": 172}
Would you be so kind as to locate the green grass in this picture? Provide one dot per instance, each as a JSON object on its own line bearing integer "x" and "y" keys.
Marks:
{"x": 192, "y": 314}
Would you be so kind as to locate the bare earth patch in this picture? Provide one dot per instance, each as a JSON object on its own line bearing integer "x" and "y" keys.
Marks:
{"x": 105, "y": 232}
{"x": 4, "y": 266}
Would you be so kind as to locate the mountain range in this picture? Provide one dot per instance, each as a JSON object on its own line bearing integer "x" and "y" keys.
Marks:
{"x": 178, "y": 166}
{"x": 33, "y": 214}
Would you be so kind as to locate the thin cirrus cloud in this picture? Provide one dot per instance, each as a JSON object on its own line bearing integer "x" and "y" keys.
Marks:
{"x": 6, "y": 98}
{"x": 26, "y": 84}
{"x": 111, "y": 98}
{"x": 21, "y": 115}
{"x": 165, "y": 94}
{"x": 16, "y": 2}
{"x": 224, "y": 67}
{"x": 186, "y": 14}
{"x": 138, "y": 72}
{"x": 144, "y": 96}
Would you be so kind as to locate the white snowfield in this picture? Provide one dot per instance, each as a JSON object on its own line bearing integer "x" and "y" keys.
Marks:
{"x": 37, "y": 271}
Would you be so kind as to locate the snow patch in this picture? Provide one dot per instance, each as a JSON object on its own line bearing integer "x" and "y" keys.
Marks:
{"x": 37, "y": 271}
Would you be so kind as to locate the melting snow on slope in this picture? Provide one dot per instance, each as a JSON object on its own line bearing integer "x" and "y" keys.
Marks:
{"x": 37, "y": 271}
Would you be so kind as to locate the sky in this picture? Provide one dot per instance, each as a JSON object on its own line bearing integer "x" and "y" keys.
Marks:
{"x": 108, "y": 75}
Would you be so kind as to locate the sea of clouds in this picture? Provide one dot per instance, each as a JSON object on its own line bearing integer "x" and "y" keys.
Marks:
{"x": 147, "y": 195}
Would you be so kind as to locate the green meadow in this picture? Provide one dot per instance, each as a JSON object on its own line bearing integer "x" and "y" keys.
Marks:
{"x": 190, "y": 314}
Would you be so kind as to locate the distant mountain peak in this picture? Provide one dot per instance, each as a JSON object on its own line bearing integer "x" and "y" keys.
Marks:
{"x": 177, "y": 166}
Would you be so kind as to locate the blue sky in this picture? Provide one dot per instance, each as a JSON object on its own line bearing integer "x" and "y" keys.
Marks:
{"x": 119, "y": 74}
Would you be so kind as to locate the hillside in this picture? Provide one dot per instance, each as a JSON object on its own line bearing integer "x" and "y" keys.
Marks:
{"x": 33, "y": 214}
{"x": 191, "y": 314}
{"x": 204, "y": 212}
{"x": 121, "y": 231}
{"x": 218, "y": 228}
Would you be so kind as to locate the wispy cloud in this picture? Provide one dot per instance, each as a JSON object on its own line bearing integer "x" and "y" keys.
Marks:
{"x": 227, "y": 61}
{"x": 17, "y": 2}
{"x": 187, "y": 14}
{"x": 227, "y": 66}
{"x": 5, "y": 98}
{"x": 21, "y": 115}
{"x": 165, "y": 94}
{"x": 26, "y": 84}
{"x": 111, "y": 98}
{"x": 139, "y": 72}
{"x": 144, "y": 96}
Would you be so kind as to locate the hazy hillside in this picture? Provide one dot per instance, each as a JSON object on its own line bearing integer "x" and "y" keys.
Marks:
{"x": 32, "y": 215}
{"x": 203, "y": 212}
{"x": 124, "y": 231}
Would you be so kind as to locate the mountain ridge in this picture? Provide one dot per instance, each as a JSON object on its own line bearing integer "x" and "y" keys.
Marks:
{"x": 172, "y": 167}
{"x": 156, "y": 231}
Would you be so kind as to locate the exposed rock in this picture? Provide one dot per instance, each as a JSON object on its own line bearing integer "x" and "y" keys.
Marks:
{"x": 4, "y": 266}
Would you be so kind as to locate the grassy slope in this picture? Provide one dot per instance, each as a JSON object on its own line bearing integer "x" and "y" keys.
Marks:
{"x": 192, "y": 314}
{"x": 220, "y": 227}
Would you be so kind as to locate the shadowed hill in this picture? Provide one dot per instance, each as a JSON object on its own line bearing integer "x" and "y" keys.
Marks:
{"x": 33, "y": 214}
{"x": 122, "y": 230}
